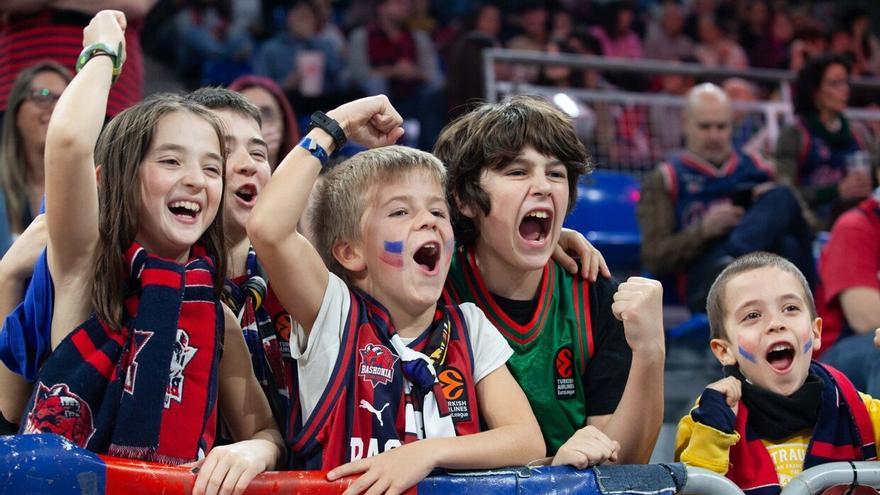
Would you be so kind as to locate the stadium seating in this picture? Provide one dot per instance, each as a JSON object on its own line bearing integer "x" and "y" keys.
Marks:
{"x": 606, "y": 214}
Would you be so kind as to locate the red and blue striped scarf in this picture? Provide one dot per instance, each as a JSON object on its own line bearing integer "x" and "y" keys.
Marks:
{"x": 379, "y": 386}
{"x": 843, "y": 432}
{"x": 148, "y": 391}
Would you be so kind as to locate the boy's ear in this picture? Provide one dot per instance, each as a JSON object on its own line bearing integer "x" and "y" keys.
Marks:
{"x": 350, "y": 255}
{"x": 723, "y": 351}
{"x": 817, "y": 334}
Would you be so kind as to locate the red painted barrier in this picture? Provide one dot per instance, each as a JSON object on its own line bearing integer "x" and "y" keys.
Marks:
{"x": 129, "y": 477}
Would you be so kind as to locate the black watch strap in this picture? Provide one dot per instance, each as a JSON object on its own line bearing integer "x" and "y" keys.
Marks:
{"x": 330, "y": 126}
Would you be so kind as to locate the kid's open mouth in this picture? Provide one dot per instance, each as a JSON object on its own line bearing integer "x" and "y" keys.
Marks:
{"x": 428, "y": 256}
{"x": 535, "y": 226}
{"x": 247, "y": 193}
{"x": 780, "y": 356}
{"x": 188, "y": 209}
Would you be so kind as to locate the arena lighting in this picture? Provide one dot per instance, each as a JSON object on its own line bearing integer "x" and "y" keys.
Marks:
{"x": 566, "y": 104}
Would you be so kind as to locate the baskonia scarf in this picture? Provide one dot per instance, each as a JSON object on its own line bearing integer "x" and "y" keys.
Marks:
{"x": 148, "y": 391}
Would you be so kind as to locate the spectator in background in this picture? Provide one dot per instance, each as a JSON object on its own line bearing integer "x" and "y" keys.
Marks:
{"x": 666, "y": 39}
{"x": 465, "y": 84}
{"x": 297, "y": 59}
{"x": 772, "y": 49}
{"x": 583, "y": 118}
{"x": 755, "y": 18}
{"x": 53, "y": 30}
{"x": 211, "y": 46}
{"x": 615, "y": 31}
{"x": 822, "y": 154}
{"x": 715, "y": 49}
{"x": 841, "y": 43}
{"x": 328, "y": 30}
{"x": 749, "y": 132}
{"x": 421, "y": 18}
{"x": 848, "y": 297}
{"x": 563, "y": 25}
{"x": 280, "y": 128}
{"x": 531, "y": 19}
{"x": 809, "y": 42}
{"x": 386, "y": 57}
{"x": 698, "y": 9}
{"x": 865, "y": 45}
{"x": 22, "y": 142}
{"x": 668, "y": 133}
{"x": 713, "y": 203}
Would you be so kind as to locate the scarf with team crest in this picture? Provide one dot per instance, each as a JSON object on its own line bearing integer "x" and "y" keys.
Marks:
{"x": 843, "y": 432}
{"x": 148, "y": 391}
{"x": 387, "y": 393}
{"x": 420, "y": 362}
{"x": 246, "y": 296}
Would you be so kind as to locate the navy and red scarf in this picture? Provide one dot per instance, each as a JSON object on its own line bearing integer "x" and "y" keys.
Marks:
{"x": 375, "y": 391}
{"x": 148, "y": 391}
{"x": 249, "y": 298}
{"x": 843, "y": 432}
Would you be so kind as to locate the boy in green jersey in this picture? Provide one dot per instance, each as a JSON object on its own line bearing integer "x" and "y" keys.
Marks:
{"x": 589, "y": 355}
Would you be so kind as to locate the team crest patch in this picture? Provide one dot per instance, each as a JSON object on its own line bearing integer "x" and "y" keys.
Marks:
{"x": 563, "y": 370}
{"x": 377, "y": 364}
{"x": 58, "y": 410}
{"x": 454, "y": 389}
{"x": 180, "y": 358}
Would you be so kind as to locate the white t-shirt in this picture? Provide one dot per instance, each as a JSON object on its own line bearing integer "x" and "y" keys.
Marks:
{"x": 316, "y": 356}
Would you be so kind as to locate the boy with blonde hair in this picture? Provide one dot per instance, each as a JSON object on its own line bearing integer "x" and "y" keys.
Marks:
{"x": 381, "y": 364}
{"x": 780, "y": 412}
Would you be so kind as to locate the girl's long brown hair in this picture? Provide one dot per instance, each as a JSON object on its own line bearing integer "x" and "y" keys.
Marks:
{"x": 120, "y": 150}
{"x": 14, "y": 169}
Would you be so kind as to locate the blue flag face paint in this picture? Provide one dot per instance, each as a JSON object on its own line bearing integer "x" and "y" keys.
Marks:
{"x": 393, "y": 253}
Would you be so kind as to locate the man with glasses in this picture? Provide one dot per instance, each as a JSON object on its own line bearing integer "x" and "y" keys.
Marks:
{"x": 713, "y": 203}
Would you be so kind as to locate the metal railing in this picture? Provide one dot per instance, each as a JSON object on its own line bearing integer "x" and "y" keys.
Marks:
{"x": 642, "y": 66}
{"x": 819, "y": 478}
{"x": 633, "y": 131}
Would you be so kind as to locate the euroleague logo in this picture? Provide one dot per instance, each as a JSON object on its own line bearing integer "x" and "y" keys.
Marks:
{"x": 283, "y": 326}
{"x": 564, "y": 373}
{"x": 563, "y": 363}
{"x": 454, "y": 388}
{"x": 452, "y": 383}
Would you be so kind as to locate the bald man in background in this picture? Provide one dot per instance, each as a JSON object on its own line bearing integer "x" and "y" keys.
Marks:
{"x": 713, "y": 203}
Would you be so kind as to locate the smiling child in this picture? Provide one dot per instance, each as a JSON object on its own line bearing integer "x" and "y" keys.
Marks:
{"x": 780, "y": 412}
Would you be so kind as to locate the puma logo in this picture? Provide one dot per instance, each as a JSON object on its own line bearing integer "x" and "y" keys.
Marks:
{"x": 369, "y": 407}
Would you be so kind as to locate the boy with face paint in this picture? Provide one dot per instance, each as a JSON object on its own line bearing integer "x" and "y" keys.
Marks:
{"x": 392, "y": 384}
{"x": 779, "y": 412}
{"x": 589, "y": 355}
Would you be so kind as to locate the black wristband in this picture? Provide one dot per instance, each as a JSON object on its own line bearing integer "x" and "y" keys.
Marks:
{"x": 330, "y": 126}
